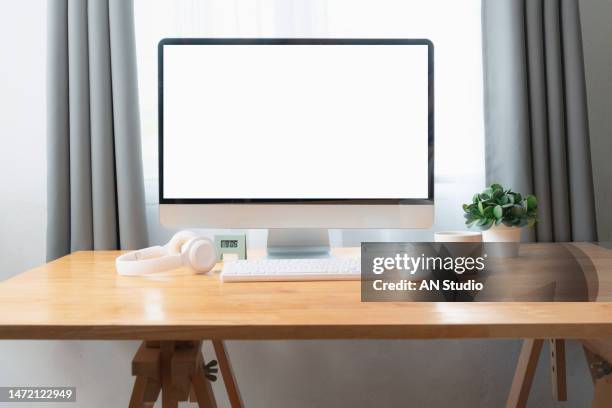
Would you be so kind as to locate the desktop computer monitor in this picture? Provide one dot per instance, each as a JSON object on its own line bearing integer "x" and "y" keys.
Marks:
{"x": 296, "y": 133}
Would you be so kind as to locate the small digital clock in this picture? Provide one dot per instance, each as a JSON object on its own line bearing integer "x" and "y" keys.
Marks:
{"x": 231, "y": 244}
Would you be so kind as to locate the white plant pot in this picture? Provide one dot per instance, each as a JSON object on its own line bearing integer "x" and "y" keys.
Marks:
{"x": 460, "y": 243}
{"x": 504, "y": 241}
{"x": 502, "y": 233}
{"x": 457, "y": 236}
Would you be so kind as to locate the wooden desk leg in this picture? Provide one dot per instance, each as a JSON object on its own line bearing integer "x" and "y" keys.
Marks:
{"x": 228, "y": 375}
{"x": 203, "y": 391}
{"x": 525, "y": 371}
{"x": 601, "y": 375}
{"x": 176, "y": 368}
{"x": 137, "y": 398}
{"x": 145, "y": 367}
{"x": 591, "y": 359}
{"x": 144, "y": 394}
{"x": 557, "y": 369}
{"x": 166, "y": 351}
{"x": 603, "y": 392}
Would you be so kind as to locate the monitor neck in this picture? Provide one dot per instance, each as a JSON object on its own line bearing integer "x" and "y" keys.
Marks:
{"x": 298, "y": 243}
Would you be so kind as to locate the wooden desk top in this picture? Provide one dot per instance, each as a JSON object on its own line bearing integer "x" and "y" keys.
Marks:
{"x": 81, "y": 297}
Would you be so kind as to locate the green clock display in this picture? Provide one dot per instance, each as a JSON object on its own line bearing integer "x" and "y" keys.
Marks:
{"x": 229, "y": 243}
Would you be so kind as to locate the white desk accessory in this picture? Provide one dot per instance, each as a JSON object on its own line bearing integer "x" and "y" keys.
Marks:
{"x": 292, "y": 269}
{"x": 184, "y": 249}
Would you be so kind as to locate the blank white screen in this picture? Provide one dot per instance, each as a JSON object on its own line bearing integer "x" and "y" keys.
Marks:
{"x": 295, "y": 121}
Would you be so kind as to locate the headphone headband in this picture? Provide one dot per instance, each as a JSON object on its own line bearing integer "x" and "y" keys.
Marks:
{"x": 199, "y": 255}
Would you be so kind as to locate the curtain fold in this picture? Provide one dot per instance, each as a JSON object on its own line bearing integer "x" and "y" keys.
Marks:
{"x": 94, "y": 180}
{"x": 536, "y": 125}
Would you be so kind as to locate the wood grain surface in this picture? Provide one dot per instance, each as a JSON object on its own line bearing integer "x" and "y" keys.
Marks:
{"x": 80, "y": 296}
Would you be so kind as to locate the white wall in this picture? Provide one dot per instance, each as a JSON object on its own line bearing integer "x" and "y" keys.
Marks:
{"x": 22, "y": 136}
{"x": 271, "y": 374}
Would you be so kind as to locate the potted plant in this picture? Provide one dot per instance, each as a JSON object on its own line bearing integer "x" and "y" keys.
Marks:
{"x": 501, "y": 213}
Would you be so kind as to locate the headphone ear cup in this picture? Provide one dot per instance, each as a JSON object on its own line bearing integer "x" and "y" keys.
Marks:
{"x": 200, "y": 254}
{"x": 178, "y": 240}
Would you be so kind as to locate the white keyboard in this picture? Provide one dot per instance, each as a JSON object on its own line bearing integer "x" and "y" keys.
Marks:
{"x": 291, "y": 269}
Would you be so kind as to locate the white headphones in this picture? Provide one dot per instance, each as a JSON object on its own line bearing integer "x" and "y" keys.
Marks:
{"x": 184, "y": 249}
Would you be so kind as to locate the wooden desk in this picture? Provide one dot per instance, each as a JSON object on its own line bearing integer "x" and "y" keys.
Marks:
{"x": 80, "y": 296}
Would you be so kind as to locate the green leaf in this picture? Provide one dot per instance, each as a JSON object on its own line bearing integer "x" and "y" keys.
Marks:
{"x": 475, "y": 198}
{"x": 486, "y": 225}
{"x": 480, "y": 209}
{"x": 465, "y": 208}
{"x": 497, "y": 187}
{"x": 532, "y": 202}
{"x": 498, "y": 212}
{"x": 517, "y": 198}
{"x": 517, "y": 211}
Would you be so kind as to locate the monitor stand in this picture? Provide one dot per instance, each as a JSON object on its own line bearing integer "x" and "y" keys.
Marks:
{"x": 298, "y": 243}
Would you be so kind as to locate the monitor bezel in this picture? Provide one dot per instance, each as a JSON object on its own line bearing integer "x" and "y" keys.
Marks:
{"x": 297, "y": 41}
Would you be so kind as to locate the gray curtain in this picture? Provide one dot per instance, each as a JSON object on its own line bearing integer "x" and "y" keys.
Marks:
{"x": 95, "y": 187}
{"x": 537, "y": 135}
